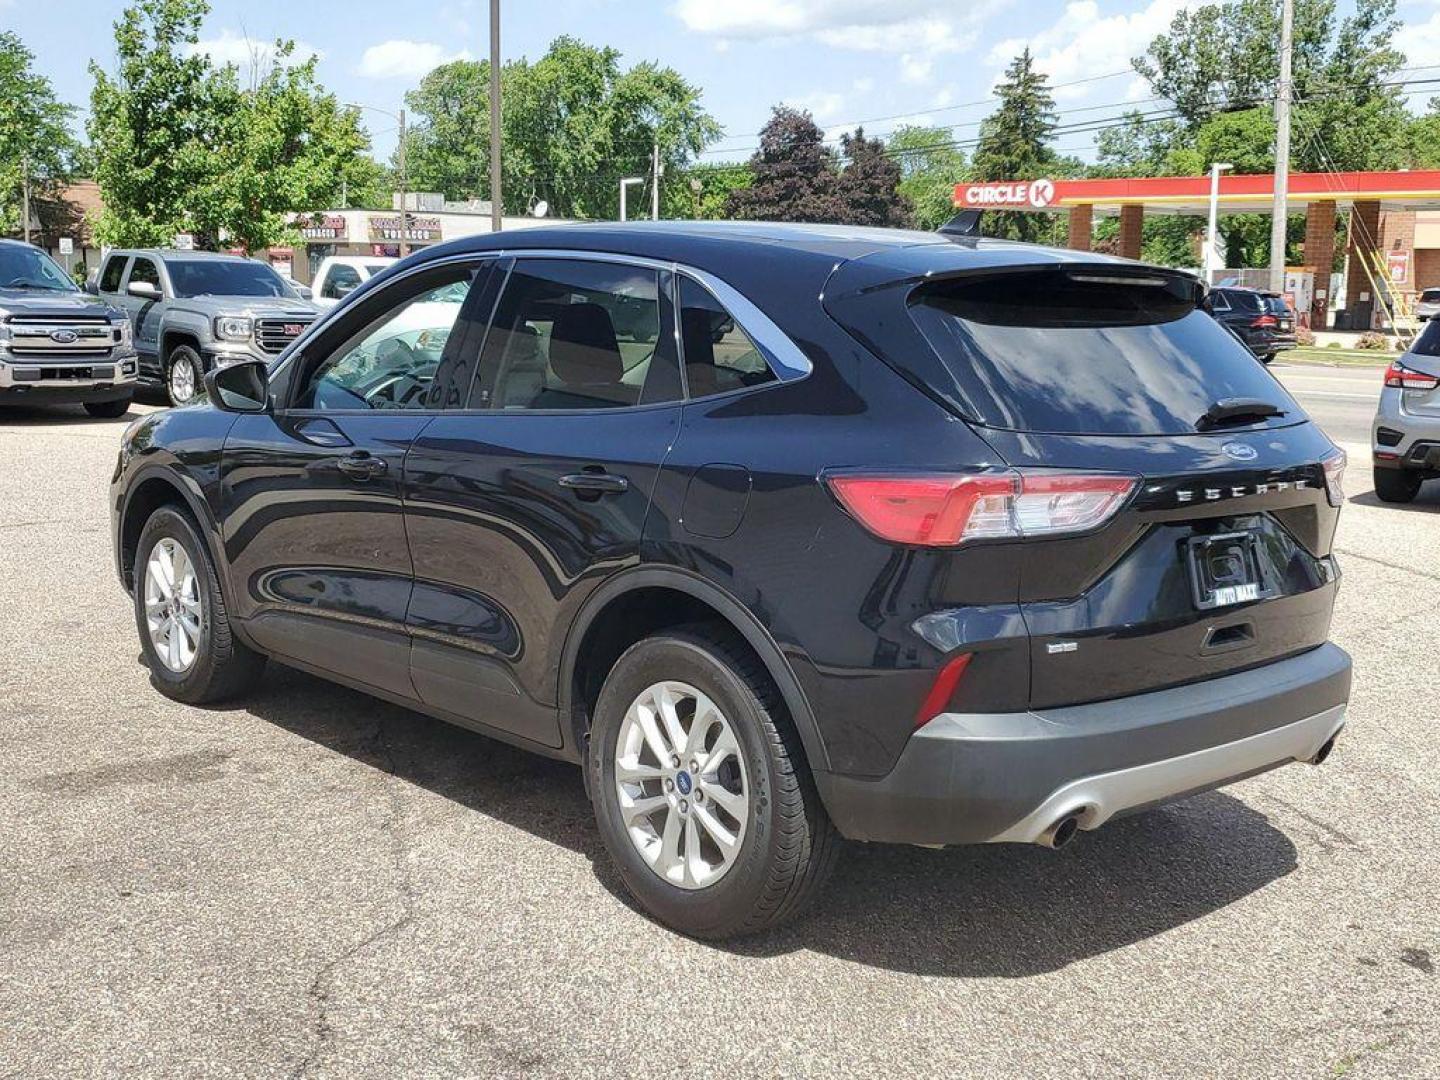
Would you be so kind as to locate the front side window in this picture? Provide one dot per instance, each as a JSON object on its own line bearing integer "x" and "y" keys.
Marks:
{"x": 114, "y": 273}
{"x": 392, "y": 359}
{"x": 145, "y": 271}
{"x": 719, "y": 356}
{"x": 577, "y": 334}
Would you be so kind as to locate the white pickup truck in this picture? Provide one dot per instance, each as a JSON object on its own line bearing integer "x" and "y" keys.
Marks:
{"x": 340, "y": 275}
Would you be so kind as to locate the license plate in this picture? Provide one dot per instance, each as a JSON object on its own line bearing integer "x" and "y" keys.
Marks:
{"x": 1226, "y": 570}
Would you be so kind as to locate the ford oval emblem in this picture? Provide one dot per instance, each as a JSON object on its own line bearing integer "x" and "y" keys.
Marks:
{"x": 64, "y": 337}
{"x": 1239, "y": 451}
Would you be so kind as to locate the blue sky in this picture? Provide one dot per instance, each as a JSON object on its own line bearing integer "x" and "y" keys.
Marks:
{"x": 879, "y": 61}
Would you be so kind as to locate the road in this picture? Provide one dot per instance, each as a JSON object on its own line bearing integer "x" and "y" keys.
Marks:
{"x": 311, "y": 883}
{"x": 1340, "y": 399}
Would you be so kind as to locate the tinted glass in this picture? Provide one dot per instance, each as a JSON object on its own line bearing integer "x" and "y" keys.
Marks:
{"x": 1430, "y": 296}
{"x": 719, "y": 356}
{"x": 1428, "y": 341}
{"x": 391, "y": 361}
{"x": 145, "y": 270}
{"x": 30, "y": 268}
{"x": 576, "y": 334}
{"x": 114, "y": 272}
{"x": 205, "y": 277}
{"x": 1276, "y": 305}
{"x": 341, "y": 281}
{"x": 1042, "y": 351}
{"x": 1245, "y": 301}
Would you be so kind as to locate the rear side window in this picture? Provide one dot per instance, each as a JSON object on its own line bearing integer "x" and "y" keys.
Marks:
{"x": 719, "y": 356}
{"x": 1428, "y": 341}
{"x": 342, "y": 281}
{"x": 114, "y": 271}
{"x": 1051, "y": 350}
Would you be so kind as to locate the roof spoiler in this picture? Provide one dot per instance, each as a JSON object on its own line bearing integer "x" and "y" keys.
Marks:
{"x": 964, "y": 224}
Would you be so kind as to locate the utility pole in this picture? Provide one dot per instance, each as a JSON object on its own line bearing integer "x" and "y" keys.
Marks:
{"x": 495, "y": 223}
{"x": 25, "y": 195}
{"x": 1282, "y": 149}
{"x": 655, "y": 182}
{"x": 404, "y": 202}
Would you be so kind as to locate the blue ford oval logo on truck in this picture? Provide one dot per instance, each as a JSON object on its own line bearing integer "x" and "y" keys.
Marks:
{"x": 1239, "y": 451}
{"x": 64, "y": 337}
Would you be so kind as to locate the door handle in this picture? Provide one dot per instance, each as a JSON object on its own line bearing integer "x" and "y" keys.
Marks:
{"x": 595, "y": 483}
{"x": 361, "y": 466}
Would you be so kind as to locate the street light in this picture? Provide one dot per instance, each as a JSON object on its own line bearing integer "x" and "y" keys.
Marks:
{"x": 399, "y": 118}
{"x": 624, "y": 184}
{"x": 1212, "y": 240}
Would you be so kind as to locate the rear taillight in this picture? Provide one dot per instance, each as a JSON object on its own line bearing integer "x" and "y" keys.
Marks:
{"x": 1265, "y": 320}
{"x": 942, "y": 510}
{"x": 1404, "y": 378}
{"x": 1334, "y": 467}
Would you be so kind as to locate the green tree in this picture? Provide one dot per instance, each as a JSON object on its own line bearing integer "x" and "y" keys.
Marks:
{"x": 930, "y": 167}
{"x": 574, "y": 124}
{"x": 181, "y": 146}
{"x": 868, "y": 187}
{"x": 795, "y": 173}
{"x": 702, "y": 192}
{"x": 1014, "y": 142}
{"x": 34, "y": 129}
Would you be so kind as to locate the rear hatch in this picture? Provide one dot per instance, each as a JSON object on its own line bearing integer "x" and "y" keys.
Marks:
{"x": 1219, "y": 560}
{"x": 1417, "y": 396}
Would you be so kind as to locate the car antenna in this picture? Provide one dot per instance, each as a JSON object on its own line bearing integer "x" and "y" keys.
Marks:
{"x": 966, "y": 224}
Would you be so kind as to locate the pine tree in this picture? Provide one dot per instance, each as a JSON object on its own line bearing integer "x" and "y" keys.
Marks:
{"x": 869, "y": 186}
{"x": 1015, "y": 141}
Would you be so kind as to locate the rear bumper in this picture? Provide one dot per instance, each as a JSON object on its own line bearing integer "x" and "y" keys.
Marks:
{"x": 1008, "y": 777}
{"x": 1404, "y": 440}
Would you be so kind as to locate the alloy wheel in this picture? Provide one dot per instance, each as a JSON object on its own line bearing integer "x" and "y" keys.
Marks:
{"x": 173, "y": 606}
{"x": 683, "y": 791}
{"x": 182, "y": 380}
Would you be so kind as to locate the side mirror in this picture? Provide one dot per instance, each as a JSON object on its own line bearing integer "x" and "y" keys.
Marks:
{"x": 306, "y": 293}
{"x": 240, "y": 388}
{"x": 144, "y": 290}
{"x": 92, "y": 283}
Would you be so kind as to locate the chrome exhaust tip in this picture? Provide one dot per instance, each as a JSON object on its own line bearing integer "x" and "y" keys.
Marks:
{"x": 1060, "y": 833}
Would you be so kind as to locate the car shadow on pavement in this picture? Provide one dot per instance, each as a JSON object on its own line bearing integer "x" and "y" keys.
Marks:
{"x": 993, "y": 911}
{"x": 69, "y": 415}
{"x": 1427, "y": 502}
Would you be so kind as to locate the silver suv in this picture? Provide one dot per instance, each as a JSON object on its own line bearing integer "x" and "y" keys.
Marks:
{"x": 1406, "y": 446}
{"x": 195, "y": 311}
{"x": 57, "y": 345}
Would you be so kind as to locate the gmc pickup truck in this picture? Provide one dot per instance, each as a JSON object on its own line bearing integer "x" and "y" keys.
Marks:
{"x": 196, "y": 311}
{"x": 57, "y": 345}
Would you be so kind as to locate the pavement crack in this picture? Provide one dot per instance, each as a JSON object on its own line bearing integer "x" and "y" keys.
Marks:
{"x": 1349, "y": 554}
{"x": 1314, "y": 822}
{"x": 321, "y": 992}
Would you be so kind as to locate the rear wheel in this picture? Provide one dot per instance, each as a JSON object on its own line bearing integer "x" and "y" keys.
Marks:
{"x": 1396, "y": 485}
{"x": 1267, "y": 357}
{"x": 702, "y": 794}
{"x": 109, "y": 410}
{"x": 184, "y": 628}
{"x": 183, "y": 371}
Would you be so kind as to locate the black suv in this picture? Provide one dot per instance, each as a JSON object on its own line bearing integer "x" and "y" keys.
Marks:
{"x": 1262, "y": 320}
{"x": 783, "y": 533}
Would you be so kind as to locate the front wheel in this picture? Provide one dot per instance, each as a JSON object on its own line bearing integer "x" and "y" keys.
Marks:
{"x": 702, "y": 793}
{"x": 1267, "y": 357}
{"x": 109, "y": 410}
{"x": 1396, "y": 485}
{"x": 185, "y": 632}
{"x": 183, "y": 372}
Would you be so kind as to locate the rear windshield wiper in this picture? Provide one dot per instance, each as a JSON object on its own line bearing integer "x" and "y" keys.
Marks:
{"x": 1237, "y": 410}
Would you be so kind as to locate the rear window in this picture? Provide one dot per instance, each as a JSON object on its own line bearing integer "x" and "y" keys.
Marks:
{"x": 1427, "y": 343}
{"x": 1430, "y": 296}
{"x": 1086, "y": 352}
{"x": 1276, "y": 305}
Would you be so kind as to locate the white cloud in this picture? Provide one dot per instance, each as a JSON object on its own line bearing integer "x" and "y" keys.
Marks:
{"x": 400, "y": 59}
{"x": 1083, "y": 43}
{"x": 822, "y": 105}
{"x": 921, "y": 26}
{"x": 249, "y": 54}
{"x": 863, "y": 85}
{"x": 915, "y": 69}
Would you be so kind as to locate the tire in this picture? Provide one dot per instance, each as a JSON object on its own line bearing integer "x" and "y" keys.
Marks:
{"x": 1269, "y": 356}
{"x": 109, "y": 410}
{"x": 220, "y": 666}
{"x": 786, "y": 844}
{"x": 183, "y": 359}
{"x": 1396, "y": 485}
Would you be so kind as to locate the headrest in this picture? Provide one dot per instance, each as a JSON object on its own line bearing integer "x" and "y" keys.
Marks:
{"x": 583, "y": 349}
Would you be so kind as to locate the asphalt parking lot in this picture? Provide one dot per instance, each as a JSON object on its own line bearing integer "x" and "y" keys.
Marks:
{"x": 313, "y": 883}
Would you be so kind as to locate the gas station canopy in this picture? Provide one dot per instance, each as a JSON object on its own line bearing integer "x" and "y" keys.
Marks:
{"x": 1249, "y": 194}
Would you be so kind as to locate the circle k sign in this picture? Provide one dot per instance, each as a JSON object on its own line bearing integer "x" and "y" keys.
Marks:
{"x": 1012, "y": 194}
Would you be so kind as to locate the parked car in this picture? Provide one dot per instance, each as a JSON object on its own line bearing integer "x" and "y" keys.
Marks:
{"x": 1262, "y": 320}
{"x": 57, "y": 345}
{"x": 783, "y": 533}
{"x": 340, "y": 275}
{"x": 1428, "y": 305}
{"x": 195, "y": 311}
{"x": 1406, "y": 448}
